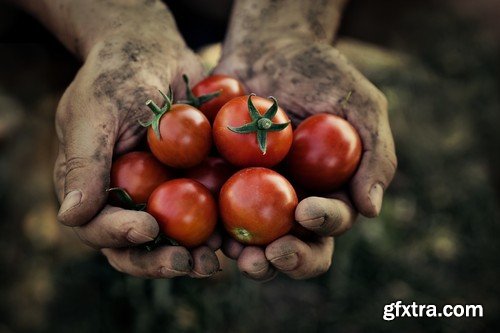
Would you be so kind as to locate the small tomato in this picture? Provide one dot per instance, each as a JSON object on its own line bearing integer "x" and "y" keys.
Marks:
{"x": 179, "y": 135}
{"x": 211, "y": 93}
{"x": 257, "y": 206}
{"x": 252, "y": 131}
{"x": 325, "y": 153}
{"x": 138, "y": 173}
{"x": 212, "y": 173}
{"x": 185, "y": 211}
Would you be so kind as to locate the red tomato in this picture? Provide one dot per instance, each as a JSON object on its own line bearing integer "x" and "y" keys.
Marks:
{"x": 257, "y": 206}
{"x": 325, "y": 153}
{"x": 185, "y": 211}
{"x": 138, "y": 173}
{"x": 246, "y": 149}
{"x": 182, "y": 138}
{"x": 212, "y": 173}
{"x": 228, "y": 87}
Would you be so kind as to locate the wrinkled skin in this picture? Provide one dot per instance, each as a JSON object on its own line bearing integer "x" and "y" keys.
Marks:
{"x": 98, "y": 116}
{"x": 309, "y": 78}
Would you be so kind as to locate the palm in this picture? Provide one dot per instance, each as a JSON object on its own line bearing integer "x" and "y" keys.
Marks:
{"x": 309, "y": 78}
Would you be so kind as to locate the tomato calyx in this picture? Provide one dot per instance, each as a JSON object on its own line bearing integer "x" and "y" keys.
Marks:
{"x": 125, "y": 199}
{"x": 160, "y": 240}
{"x": 192, "y": 100}
{"x": 242, "y": 235}
{"x": 261, "y": 124}
{"x": 159, "y": 112}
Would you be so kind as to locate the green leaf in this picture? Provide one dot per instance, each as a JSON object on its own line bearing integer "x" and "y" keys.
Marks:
{"x": 208, "y": 97}
{"x": 160, "y": 240}
{"x": 272, "y": 110}
{"x": 146, "y": 124}
{"x": 140, "y": 207}
{"x": 155, "y": 124}
{"x": 125, "y": 199}
{"x": 262, "y": 141}
{"x": 254, "y": 114}
{"x": 191, "y": 99}
{"x": 278, "y": 127}
{"x": 168, "y": 99}
{"x": 247, "y": 128}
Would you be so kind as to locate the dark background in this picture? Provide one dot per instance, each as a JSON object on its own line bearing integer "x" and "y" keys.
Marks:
{"x": 436, "y": 241}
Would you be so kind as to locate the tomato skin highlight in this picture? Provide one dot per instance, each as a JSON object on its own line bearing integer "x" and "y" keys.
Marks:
{"x": 257, "y": 206}
{"x": 185, "y": 211}
{"x": 229, "y": 88}
{"x": 138, "y": 173}
{"x": 212, "y": 173}
{"x": 185, "y": 137}
{"x": 243, "y": 150}
{"x": 325, "y": 153}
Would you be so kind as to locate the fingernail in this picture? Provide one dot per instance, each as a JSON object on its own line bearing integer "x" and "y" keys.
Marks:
{"x": 286, "y": 262}
{"x": 71, "y": 200}
{"x": 136, "y": 237}
{"x": 376, "y": 195}
{"x": 313, "y": 223}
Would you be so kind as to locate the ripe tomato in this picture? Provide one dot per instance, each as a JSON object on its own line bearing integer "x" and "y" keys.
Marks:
{"x": 252, "y": 131}
{"x": 211, "y": 93}
{"x": 138, "y": 173}
{"x": 185, "y": 211}
{"x": 179, "y": 135}
{"x": 212, "y": 173}
{"x": 257, "y": 206}
{"x": 325, "y": 153}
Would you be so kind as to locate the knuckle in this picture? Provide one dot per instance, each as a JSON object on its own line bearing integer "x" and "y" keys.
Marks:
{"x": 85, "y": 239}
{"x": 76, "y": 163}
{"x": 381, "y": 101}
{"x": 322, "y": 269}
{"x": 390, "y": 166}
{"x": 113, "y": 263}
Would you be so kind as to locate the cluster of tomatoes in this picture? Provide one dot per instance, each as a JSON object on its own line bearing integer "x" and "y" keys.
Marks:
{"x": 188, "y": 185}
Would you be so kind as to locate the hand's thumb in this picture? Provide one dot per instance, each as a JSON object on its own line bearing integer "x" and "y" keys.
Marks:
{"x": 87, "y": 152}
{"x": 377, "y": 168}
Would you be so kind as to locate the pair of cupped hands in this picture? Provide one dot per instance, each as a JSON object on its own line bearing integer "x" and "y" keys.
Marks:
{"x": 98, "y": 118}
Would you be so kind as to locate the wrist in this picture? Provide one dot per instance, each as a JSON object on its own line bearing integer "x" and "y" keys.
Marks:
{"x": 81, "y": 25}
{"x": 262, "y": 21}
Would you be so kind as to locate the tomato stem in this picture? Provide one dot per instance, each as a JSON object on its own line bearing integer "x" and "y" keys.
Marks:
{"x": 158, "y": 112}
{"x": 264, "y": 123}
{"x": 125, "y": 199}
{"x": 192, "y": 100}
{"x": 261, "y": 124}
{"x": 160, "y": 240}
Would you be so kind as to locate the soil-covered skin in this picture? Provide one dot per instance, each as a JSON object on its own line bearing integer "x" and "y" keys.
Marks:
{"x": 435, "y": 242}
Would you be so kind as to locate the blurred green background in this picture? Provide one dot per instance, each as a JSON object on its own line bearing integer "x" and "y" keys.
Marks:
{"x": 436, "y": 241}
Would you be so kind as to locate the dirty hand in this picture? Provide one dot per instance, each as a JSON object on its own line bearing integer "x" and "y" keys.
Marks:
{"x": 97, "y": 118}
{"x": 310, "y": 77}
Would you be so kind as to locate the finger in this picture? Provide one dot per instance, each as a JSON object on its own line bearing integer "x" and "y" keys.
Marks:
{"x": 376, "y": 170}
{"x": 215, "y": 241}
{"x": 59, "y": 174}
{"x": 325, "y": 216}
{"x": 163, "y": 262}
{"x": 300, "y": 260}
{"x": 252, "y": 263}
{"x": 116, "y": 227}
{"x": 231, "y": 248}
{"x": 88, "y": 148}
{"x": 205, "y": 262}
